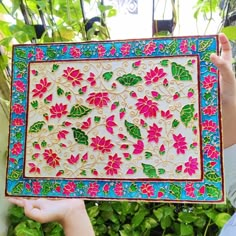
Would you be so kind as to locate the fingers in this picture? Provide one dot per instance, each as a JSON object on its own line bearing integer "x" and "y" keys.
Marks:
{"x": 226, "y": 47}
{"x": 17, "y": 201}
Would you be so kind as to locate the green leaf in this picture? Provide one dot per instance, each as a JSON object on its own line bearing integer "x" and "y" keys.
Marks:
{"x": 107, "y": 76}
{"x": 164, "y": 62}
{"x": 186, "y": 230}
{"x": 148, "y": 155}
{"x": 35, "y": 104}
{"x": 60, "y": 91}
{"x": 187, "y": 114}
{"x": 212, "y": 176}
{"x": 222, "y": 218}
{"x": 213, "y": 191}
{"x": 112, "y": 13}
{"x": 15, "y": 175}
{"x": 206, "y": 56}
{"x": 21, "y": 53}
{"x": 207, "y": 96}
{"x": 78, "y": 111}
{"x": 21, "y": 65}
{"x": 93, "y": 211}
{"x": 55, "y": 67}
{"x": 175, "y": 123}
{"x": 149, "y": 170}
{"x": 139, "y": 217}
{"x": 129, "y": 79}
{"x": 171, "y": 48}
{"x": 51, "y": 53}
{"x": 28, "y": 228}
{"x": 47, "y": 187}
{"x": 179, "y": 72}
{"x": 133, "y": 130}
{"x": 18, "y": 189}
{"x": 80, "y": 136}
{"x": 175, "y": 190}
{"x": 230, "y": 32}
{"x": 36, "y": 127}
{"x": 204, "y": 44}
{"x": 187, "y": 217}
{"x": 166, "y": 222}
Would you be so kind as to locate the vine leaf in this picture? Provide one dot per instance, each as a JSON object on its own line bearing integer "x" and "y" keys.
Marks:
{"x": 172, "y": 47}
{"x": 21, "y": 53}
{"x": 18, "y": 189}
{"x": 175, "y": 190}
{"x": 36, "y": 127}
{"x": 204, "y": 44}
{"x": 78, "y": 111}
{"x": 129, "y": 79}
{"x": 179, "y": 72}
{"x": 107, "y": 76}
{"x": 15, "y": 175}
{"x": 206, "y": 56}
{"x": 80, "y": 136}
{"x": 149, "y": 171}
{"x": 212, "y": 176}
{"x": 21, "y": 65}
{"x": 187, "y": 114}
{"x": 133, "y": 130}
{"x": 213, "y": 191}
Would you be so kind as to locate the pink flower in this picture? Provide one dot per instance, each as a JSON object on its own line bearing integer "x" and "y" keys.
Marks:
{"x": 69, "y": 188}
{"x": 106, "y": 188}
{"x": 73, "y": 75}
{"x": 166, "y": 114}
{"x": 150, "y": 48}
{"x": 20, "y": 86}
{"x": 191, "y": 166}
{"x": 99, "y": 99}
{"x": 110, "y": 124}
{"x": 189, "y": 188}
{"x": 52, "y": 158}
{"x": 147, "y": 189}
{"x": 93, "y": 189}
{"x": 62, "y": 134}
{"x": 18, "y": 122}
{"x": 101, "y": 50}
{"x": 119, "y": 189}
{"x": 209, "y": 81}
{"x": 33, "y": 168}
{"x": 184, "y": 46}
{"x": 101, "y": 144}
{"x": 58, "y": 110}
{"x": 180, "y": 145}
{"x": 113, "y": 50}
{"x": 147, "y": 107}
{"x": 209, "y": 125}
{"x": 75, "y": 52}
{"x": 36, "y": 186}
{"x": 16, "y": 149}
{"x": 154, "y": 133}
{"x": 211, "y": 151}
{"x": 202, "y": 190}
{"x": 41, "y": 88}
{"x": 113, "y": 165}
{"x": 91, "y": 79}
{"x": 154, "y": 75}
{"x": 209, "y": 110}
{"x": 18, "y": 109}
{"x": 138, "y": 147}
{"x": 73, "y": 159}
{"x": 125, "y": 49}
{"x": 86, "y": 124}
{"x": 39, "y": 54}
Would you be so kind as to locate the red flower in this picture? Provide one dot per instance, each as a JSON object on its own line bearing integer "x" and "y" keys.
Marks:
{"x": 98, "y": 99}
{"x": 209, "y": 81}
{"x": 147, "y": 107}
{"x": 147, "y": 189}
{"x": 138, "y": 147}
{"x": 86, "y": 124}
{"x": 18, "y": 122}
{"x": 41, "y": 88}
{"x": 91, "y": 79}
{"x": 39, "y": 54}
{"x": 34, "y": 168}
{"x": 101, "y": 50}
{"x": 93, "y": 189}
{"x": 150, "y": 48}
{"x": 154, "y": 133}
{"x": 69, "y": 188}
{"x": 211, "y": 151}
{"x": 16, "y": 149}
{"x": 125, "y": 49}
{"x": 154, "y": 75}
{"x": 52, "y": 158}
{"x": 166, "y": 114}
{"x": 18, "y": 109}
{"x": 110, "y": 124}
{"x": 58, "y": 110}
{"x": 113, "y": 165}
{"x": 180, "y": 143}
{"x": 20, "y": 86}
{"x": 73, "y": 75}
{"x": 191, "y": 166}
{"x": 36, "y": 186}
{"x": 62, "y": 134}
{"x": 189, "y": 188}
{"x": 209, "y": 125}
{"x": 75, "y": 52}
{"x": 119, "y": 189}
{"x": 73, "y": 159}
{"x": 101, "y": 144}
{"x": 184, "y": 46}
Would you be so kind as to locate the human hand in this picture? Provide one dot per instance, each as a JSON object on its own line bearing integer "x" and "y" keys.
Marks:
{"x": 228, "y": 90}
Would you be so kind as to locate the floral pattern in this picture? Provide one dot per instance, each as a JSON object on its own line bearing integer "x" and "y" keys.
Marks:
{"x": 117, "y": 120}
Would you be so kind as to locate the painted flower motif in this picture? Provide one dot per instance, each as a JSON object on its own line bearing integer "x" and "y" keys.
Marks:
{"x": 106, "y": 188}
{"x": 211, "y": 151}
{"x": 184, "y": 46}
{"x": 209, "y": 125}
{"x": 210, "y": 110}
{"x": 191, "y": 166}
{"x": 113, "y": 165}
{"x": 34, "y": 168}
{"x": 209, "y": 82}
{"x": 180, "y": 145}
{"x": 138, "y": 147}
{"x": 86, "y": 124}
{"x": 62, "y": 134}
{"x": 101, "y": 144}
{"x": 166, "y": 114}
{"x": 101, "y": 50}
{"x": 118, "y": 189}
{"x": 73, "y": 75}
{"x": 91, "y": 79}
{"x": 18, "y": 122}
{"x": 110, "y": 124}
{"x": 125, "y": 49}
{"x": 93, "y": 189}
{"x": 113, "y": 50}
{"x": 150, "y": 48}
{"x": 147, "y": 107}
{"x": 189, "y": 188}
{"x": 52, "y": 158}
{"x": 58, "y": 110}
{"x": 18, "y": 109}
{"x": 154, "y": 133}
{"x": 75, "y": 52}
{"x": 20, "y": 86}
{"x": 41, "y": 88}
{"x": 99, "y": 99}
{"x": 147, "y": 189}
{"x": 16, "y": 149}
{"x": 36, "y": 186}
{"x": 153, "y": 76}
{"x": 73, "y": 159}
{"x": 39, "y": 54}
{"x": 69, "y": 188}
